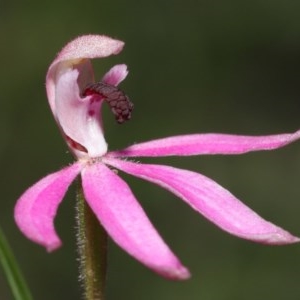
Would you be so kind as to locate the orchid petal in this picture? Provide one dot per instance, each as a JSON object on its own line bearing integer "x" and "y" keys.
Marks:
{"x": 77, "y": 51}
{"x": 210, "y": 143}
{"x": 36, "y": 208}
{"x": 211, "y": 200}
{"x": 115, "y": 75}
{"x": 116, "y": 208}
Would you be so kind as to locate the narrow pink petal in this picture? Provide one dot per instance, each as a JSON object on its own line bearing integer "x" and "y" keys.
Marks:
{"x": 115, "y": 75}
{"x": 211, "y": 200}
{"x": 125, "y": 221}
{"x": 83, "y": 47}
{"x": 36, "y": 208}
{"x": 209, "y": 143}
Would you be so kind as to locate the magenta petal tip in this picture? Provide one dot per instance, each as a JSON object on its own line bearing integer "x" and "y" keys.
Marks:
{"x": 180, "y": 273}
{"x": 278, "y": 238}
{"x": 53, "y": 246}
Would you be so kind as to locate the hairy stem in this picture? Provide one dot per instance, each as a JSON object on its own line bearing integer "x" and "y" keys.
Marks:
{"x": 92, "y": 249}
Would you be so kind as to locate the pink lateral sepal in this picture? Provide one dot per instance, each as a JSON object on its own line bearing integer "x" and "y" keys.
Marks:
{"x": 211, "y": 200}
{"x": 125, "y": 221}
{"x": 36, "y": 208}
{"x": 209, "y": 143}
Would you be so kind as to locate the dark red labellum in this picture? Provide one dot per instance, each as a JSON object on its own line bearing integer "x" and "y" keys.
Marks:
{"x": 117, "y": 100}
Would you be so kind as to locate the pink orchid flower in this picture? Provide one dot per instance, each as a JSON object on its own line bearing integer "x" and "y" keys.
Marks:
{"x": 75, "y": 101}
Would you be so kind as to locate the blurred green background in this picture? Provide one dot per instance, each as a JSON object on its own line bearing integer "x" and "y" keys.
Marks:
{"x": 195, "y": 66}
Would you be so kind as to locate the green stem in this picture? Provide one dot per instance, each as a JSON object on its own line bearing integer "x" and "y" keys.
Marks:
{"x": 13, "y": 274}
{"x": 92, "y": 249}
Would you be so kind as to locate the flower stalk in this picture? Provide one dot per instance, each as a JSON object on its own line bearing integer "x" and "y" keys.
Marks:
{"x": 92, "y": 249}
